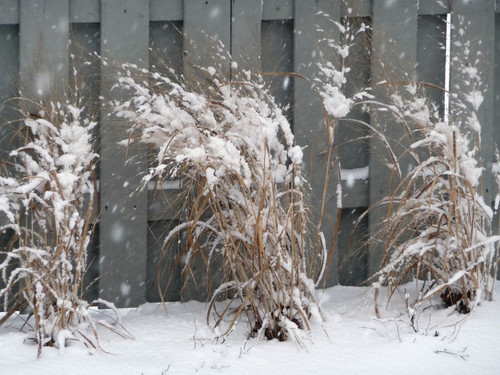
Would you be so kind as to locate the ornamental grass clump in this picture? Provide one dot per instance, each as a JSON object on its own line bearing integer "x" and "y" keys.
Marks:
{"x": 437, "y": 227}
{"x": 47, "y": 200}
{"x": 242, "y": 193}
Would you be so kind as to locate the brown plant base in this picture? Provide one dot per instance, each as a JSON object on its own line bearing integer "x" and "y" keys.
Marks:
{"x": 278, "y": 331}
{"x": 456, "y": 298}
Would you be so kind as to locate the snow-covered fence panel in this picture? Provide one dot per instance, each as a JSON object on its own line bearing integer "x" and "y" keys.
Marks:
{"x": 408, "y": 39}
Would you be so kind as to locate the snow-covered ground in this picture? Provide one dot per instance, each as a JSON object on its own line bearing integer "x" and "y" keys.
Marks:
{"x": 350, "y": 341}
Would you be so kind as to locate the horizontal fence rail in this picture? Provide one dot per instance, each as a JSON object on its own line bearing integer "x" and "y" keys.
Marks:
{"x": 39, "y": 38}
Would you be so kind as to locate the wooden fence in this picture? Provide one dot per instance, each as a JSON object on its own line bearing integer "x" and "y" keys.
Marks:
{"x": 262, "y": 35}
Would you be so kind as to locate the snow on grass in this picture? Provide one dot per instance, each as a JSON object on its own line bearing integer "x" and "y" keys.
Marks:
{"x": 233, "y": 151}
{"x": 350, "y": 341}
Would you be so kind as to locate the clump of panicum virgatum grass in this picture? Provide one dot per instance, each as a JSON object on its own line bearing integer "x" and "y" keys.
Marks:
{"x": 437, "y": 225}
{"x": 239, "y": 172}
{"x": 48, "y": 201}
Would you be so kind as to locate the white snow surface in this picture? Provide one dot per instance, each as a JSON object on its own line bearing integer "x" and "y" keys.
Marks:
{"x": 350, "y": 341}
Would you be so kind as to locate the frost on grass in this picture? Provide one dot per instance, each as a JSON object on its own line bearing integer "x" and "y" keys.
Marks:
{"x": 48, "y": 200}
{"x": 242, "y": 190}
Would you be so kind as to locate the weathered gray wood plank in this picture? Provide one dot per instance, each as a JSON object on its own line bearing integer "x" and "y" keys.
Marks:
{"x": 431, "y": 56}
{"x": 9, "y": 12}
{"x": 354, "y": 194}
{"x": 164, "y": 275}
{"x": 163, "y": 270}
{"x": 123, "y": 225}
{"x": 246, "y": 35}
{"x": 309, "y": 121}
{"x": 9, "y": 65}
{"x": 356, "y": 8}
{"x": 434, "y": 7}
{"x": 496, "y": 118}
{"x": 163, "y": 204}
{"x": 165, "y": 10}
{"x": 473, "y": 45}
{"x": 206, "y": 22}
{"x": 496, "y": 129}
{"x": 351, "y": 139}
{"x": 277, "y": 9}
{"x": 352, "y": 252}
{"x": 277, "y": 56}
{"x": 394, "y": 57}
{"x": 44, "y": 56}
{"x": 84, "y": 11}
{"x": 166, "y": 44}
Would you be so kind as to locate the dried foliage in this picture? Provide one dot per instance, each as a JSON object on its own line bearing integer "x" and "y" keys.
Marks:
{"x": 437, "y": 226}
{"x": 48, "y": 201}
{"x": 242, "y": 191}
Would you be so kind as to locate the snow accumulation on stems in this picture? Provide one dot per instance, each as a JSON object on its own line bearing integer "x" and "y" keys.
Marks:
{"x": 438, "y": 227}
{"x": 232, "y": 150}
{"x": 48, "y": 201}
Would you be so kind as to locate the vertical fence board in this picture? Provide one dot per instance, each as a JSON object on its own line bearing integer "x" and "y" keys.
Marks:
{"x": 84, "y": 11}
{"x": 44, "y": 35}
{"x": 356, "y": 8}
{"x": 9, "y": 65}
{"x": 353, "y": 153}
{"x": 163, "y": 276}
{"x": 496, "y": 119}
{"x": 204, "y": 22}
{"x": 277, "y": 9}
{"x": 123, "y": 225}
{"x": 433, "y": 7}
{"x": 246, "y": 21}
{"x": 431, "y": 56}
{"x": 309, "y": 121}
{"x": 165, "y": 10}
{"x": 394, "y": 50}
{"x": 166, "y": 45}
{"x": 474, "y": 22}
{"x": 9, "y": 12}
{"x": 277, "y": 56}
